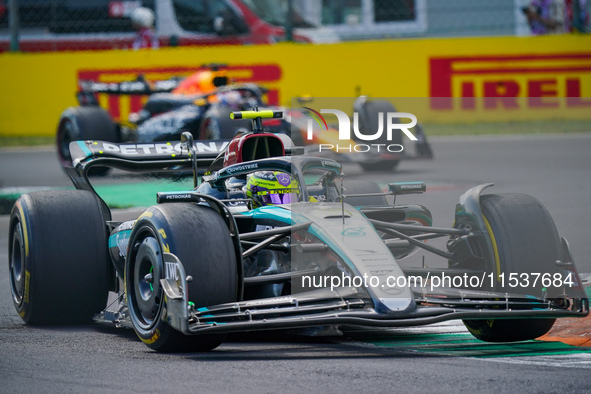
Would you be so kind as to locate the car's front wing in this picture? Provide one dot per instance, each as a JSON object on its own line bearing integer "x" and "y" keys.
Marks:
{"x": 347, "y": 306}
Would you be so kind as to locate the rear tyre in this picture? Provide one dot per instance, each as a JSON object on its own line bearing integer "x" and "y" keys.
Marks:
{"x": 361, "y": 187}
{"x": 371, "y": 111}
{"x": 198, "y": 236}
{"x": 525, "y": 240}
{"x": 58, "y": 262}
{"x": 80, "y": 124}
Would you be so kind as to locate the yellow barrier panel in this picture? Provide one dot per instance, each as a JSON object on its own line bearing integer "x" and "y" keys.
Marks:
{"x": 36, "y": 88}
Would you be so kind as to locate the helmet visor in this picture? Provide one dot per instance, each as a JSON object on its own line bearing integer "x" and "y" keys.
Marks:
{"x": 274, "y": 197}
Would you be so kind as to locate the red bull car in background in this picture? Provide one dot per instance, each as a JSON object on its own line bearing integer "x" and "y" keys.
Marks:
{"x": 269, "y": 239}
{"x": 201, "y": 101}
{"x": 201, "y": 104}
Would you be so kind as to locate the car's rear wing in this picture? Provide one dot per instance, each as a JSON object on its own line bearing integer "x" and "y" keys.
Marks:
{"x": 138, "y": 86}
{"x": 87, "y": 91}
{"x": 153, "y": 157}
{"x": 165, "y": 155}
{"x": 171, "y": 156}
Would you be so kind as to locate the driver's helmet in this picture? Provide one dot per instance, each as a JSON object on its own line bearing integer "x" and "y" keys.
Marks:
{"x": 271, "y": 188}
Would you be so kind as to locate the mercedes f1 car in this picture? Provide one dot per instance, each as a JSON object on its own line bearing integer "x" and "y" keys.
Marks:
{"x": 269, "y": 240}
{"x": 201, "y": 104}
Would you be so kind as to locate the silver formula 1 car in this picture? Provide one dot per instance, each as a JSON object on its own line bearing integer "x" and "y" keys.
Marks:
{"x": 269, "y": 239}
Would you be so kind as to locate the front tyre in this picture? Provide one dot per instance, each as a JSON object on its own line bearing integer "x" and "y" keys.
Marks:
{"x": 508, "y": 330}
{"x": 198, "y": 236}
{"x": 58, "y": 262}
{"x": 525, "y": 240}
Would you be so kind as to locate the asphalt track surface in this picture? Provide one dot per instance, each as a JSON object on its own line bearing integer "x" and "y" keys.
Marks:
{"x": 441, "y": 358}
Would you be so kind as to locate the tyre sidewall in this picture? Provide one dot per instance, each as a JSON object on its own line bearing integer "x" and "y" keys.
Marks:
{"x": 147, "y": 225}
{"x": 162, "y": 221}
{"x": 525, "y": 240}
{"x": 525, "y": 235}
{"x": 66, "y": 269}
{"x": 19, "y": 215}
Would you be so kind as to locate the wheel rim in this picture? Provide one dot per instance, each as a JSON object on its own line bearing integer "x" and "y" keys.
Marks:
{"x": 145, "y": 291}
{"x": 17, "y": 265}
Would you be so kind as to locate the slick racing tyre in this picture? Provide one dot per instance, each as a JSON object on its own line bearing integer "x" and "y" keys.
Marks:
{"x": 371, "y": 111}
{"x": 58, "y": 262}
{"x": 524, "y": 240}
{"x": 198, "y": 236}
{"x": 80, "y": 124}
{"x": 509, "y": 330}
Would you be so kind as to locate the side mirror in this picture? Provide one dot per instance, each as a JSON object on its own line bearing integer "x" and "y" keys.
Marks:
{"x": 398, "y": 188}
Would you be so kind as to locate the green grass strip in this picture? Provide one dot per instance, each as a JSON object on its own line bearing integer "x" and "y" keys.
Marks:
{"x": 117, "y": 196}
{"x": 139, "y": 194}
